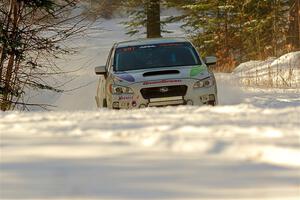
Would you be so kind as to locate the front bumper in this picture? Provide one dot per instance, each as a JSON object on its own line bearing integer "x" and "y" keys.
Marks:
{"x": 192, "y": 96}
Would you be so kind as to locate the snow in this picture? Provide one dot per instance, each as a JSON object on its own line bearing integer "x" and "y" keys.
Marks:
{"x": 283, "y": 72}
{"x": 245, "y": 148}
{"x": 182, "y": 152}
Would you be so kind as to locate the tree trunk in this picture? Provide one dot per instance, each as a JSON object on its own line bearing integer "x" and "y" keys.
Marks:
{"x": 6, "y": 99}
{"x": 275, "y": 29}
{"x": 297, "y": 22}
{"x": 294, "y": 25}
{"x": 3, "y": 54}
{"x": 153, "y": 18}
{"x": 1, "y": 63}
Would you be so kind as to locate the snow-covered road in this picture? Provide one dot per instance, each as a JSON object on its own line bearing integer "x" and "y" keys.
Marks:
{"x": 247, "y": 148}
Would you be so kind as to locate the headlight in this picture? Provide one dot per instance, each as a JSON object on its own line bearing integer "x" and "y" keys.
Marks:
{"x": 208, "y": 82}
{"x": 117, "y": 89}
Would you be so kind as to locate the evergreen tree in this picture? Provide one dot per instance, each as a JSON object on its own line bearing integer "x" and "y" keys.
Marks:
{"x": 143, "y": 14}
{"x": 266, "y": 28}
{"x": 211, "y": 23}
{"x": 237, "y": 30}
{"x": 234, "y": 30}
{"x": 294, "y": 25}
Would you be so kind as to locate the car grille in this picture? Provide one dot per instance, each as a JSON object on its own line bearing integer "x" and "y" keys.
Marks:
{"x": 164, "y": 91}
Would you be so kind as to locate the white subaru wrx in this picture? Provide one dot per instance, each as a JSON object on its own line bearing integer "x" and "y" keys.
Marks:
{"x": 155, "y": 72}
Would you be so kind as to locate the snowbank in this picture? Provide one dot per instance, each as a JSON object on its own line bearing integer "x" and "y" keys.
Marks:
{"x": 283, "y": 72}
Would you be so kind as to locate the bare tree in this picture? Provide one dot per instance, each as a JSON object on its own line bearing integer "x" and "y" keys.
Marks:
{"x": 31, "y": 36}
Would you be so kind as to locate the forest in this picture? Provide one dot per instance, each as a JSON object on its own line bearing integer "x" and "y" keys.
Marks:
{"x": 32, "y": 33}
{"x": 234, "y": 30}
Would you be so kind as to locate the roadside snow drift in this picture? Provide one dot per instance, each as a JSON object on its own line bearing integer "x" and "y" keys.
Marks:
{"x": 283, "y": 72}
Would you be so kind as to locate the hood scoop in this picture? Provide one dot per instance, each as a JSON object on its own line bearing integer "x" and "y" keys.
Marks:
{"x": 158, "y": 73}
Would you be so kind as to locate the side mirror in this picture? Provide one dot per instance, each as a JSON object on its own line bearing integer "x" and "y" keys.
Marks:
{"x": 210, "y": 60}
{"x": 101, "y": 70}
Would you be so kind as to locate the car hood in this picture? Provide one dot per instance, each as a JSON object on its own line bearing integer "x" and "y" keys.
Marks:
{"x": 171, "y": 73}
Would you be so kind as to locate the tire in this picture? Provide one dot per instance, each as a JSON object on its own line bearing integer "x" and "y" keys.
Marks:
{"x": 212, "y": 103}
{"x": 104, "y": 103}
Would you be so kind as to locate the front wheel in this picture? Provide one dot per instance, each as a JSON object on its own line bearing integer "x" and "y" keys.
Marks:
{"x": 212, "y": 103}
{"x": 104, "y": 103}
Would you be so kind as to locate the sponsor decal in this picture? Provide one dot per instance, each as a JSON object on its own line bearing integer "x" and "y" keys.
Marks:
{"x": 197, "y": 70}
{"x": 170, "y": 44}
{"x": 160, "y": 82}
{"x": 117, "y": 79}
{"x": 147, "y": 46}
{"x": 126, "y": 77}
{"x": 125, "y": 98}
{"x": 134, "y": 48}
{"x": 126, "y": 49}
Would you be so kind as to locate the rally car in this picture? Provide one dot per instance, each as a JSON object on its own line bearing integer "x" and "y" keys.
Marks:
{"x": 155, "y": 72}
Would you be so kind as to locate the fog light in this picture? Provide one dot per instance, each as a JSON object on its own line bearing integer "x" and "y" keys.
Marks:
{"x": 143, "y": 106}
{"x": 134, "y": 103}
{"x": 189, "y": 102}
{"x": 116, "y": 104}
{"x": 211, "y": 97}
{"x": 204, "y": 98}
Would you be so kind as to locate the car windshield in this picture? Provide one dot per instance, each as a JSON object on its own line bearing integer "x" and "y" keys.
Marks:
{"x": 155, "y": 56}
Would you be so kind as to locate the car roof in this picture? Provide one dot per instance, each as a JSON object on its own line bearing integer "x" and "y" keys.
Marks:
{"x": 140, "y": 42}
